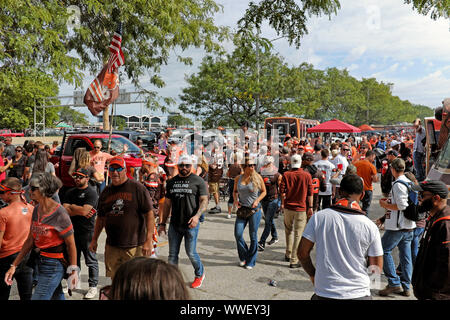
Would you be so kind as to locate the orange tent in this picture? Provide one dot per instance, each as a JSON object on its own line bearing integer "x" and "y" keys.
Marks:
{"x": 366, "y": 127}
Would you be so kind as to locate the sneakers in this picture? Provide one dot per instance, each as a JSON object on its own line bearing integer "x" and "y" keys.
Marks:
{"x": 215, "y": 210}
{"x": 248, "y": 267}
{"x": 260, "y": 246}
{"x": 295, "y": 265}
{"x": 273, "y": 241}
{"x": 229, "y": 216}
{"x": 388, "y": 290}
{"x": 286, "y": 258}
{"x": 198, "y": 282}
{"x": 91, "y": 294}
{"x": 241, "y": 263}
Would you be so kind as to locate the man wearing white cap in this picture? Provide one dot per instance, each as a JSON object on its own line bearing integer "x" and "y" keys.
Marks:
{"x": 186, "y": 200}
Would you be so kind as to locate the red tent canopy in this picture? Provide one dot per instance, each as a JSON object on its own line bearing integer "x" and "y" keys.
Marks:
{"x": 366, "y": 127}
{"x": 334, "y": 125}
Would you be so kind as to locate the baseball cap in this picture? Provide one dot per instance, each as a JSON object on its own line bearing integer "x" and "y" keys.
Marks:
{"x": 398, "y": 164}
{"x": 308, "y": 156}
{"x": 117, "y": 161}
{"x": 82, "y": 172}
{"x": 185, "y": 159}
{"x": 434, "y": 186}
{"x": 296, "y": 161}
{"x": 269, "y": 159}
{"x": 392, "y": 153}
{"x": 395, "y": 143}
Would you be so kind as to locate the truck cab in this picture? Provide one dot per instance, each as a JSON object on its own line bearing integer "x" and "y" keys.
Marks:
{"x": 72, "y": 141}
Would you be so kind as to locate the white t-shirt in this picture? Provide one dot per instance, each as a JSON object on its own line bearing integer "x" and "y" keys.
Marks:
{"x": 327, "y": 166}
{"x": 340, "y": 159}
{"x": 399, "y": 196}
{"x": 343, "y": 243}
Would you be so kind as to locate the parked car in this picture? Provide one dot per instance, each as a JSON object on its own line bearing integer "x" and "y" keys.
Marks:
{"x": 9, "y": 133}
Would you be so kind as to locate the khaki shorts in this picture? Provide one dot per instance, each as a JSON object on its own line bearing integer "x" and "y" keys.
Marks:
{"x": 115, "y": 257}
{"x": 213, "y": 187}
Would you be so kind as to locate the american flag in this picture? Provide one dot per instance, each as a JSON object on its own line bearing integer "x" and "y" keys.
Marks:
{"x": 116, "y": 58}
{"x": 105, "y": 87}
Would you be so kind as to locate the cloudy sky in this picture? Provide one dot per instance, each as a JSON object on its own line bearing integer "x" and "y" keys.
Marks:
{"x": 384, "y": 39}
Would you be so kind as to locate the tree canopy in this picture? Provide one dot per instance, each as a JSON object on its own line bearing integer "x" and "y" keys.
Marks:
{"x": 224, "y": 89}
{"x": 38, "y": 38}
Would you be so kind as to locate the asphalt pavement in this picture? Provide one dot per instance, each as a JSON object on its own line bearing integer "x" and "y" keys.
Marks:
{"x": 224, "y": 278}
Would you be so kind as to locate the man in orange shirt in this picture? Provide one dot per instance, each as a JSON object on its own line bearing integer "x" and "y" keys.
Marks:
{"x": 367, "y": 171}
{"x": 15, "y": 222}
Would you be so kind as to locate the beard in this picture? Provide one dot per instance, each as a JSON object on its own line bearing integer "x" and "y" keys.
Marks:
{"x": 425, "y": 206}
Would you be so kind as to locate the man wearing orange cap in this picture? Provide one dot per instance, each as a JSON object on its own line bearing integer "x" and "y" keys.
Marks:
{"x": 125, "y": 210}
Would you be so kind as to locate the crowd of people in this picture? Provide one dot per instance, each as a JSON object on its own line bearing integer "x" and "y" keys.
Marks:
{"x": 323, "y": 191}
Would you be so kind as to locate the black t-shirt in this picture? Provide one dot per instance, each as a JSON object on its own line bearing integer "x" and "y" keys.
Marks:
{"x": 184, "y": 194}
{"x": 80, "y": 197}
{"x": 125, "y": 208}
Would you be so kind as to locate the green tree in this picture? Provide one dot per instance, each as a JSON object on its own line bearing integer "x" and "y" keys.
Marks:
{"x": 35, "y": 37}
{"x": 224, "y": 89}
{"x": 178, "y": 120}
{"x": 72, "y": 117}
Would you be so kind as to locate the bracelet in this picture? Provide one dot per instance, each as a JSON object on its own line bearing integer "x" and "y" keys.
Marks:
{"x": 13, "y": 265}
{"x": 70, "y": 269}
{"x": 162, "y": 224}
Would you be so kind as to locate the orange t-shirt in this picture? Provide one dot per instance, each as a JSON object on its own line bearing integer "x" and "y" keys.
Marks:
{"x": 15, "y": 222}
{"x": 366, "y": 170}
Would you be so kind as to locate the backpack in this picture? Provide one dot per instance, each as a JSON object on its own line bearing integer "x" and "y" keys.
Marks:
{"x": 381, "y": 145}
{"x": 411, "y": 212}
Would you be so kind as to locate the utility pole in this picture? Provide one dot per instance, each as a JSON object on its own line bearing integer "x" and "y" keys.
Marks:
{"x": 257, "y": 79}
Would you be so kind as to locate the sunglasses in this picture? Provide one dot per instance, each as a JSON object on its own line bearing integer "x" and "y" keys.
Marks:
{"x": 96, "y": 147}
{"x": 18, "y": 150}
{"x": 183, "y": 165}
{"x": 346, "y": 149}
{"x": 112, "y": 169}
{"x": 33, "y": 188}
{"x": 78, "y": 176}
{"x": 249, "y": 165}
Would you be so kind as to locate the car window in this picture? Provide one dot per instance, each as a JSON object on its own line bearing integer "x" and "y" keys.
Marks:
{"x": 444, "y": 157}
{"x": 73, "y": 144}
{"x": 117, "y": 145}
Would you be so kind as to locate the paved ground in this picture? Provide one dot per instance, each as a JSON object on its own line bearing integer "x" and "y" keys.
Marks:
{"x": 225, "y": 280}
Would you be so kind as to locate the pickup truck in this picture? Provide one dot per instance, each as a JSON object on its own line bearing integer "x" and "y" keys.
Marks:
{"x": 9, "y": 133}
{"x": 71, "y": 141}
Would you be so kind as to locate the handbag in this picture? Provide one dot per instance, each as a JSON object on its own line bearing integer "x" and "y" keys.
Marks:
{"x": 245, "y": 212}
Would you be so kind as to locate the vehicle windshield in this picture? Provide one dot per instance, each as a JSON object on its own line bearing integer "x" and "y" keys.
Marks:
{"x": 117, "y": 145}
{"x": 444, "y": 157}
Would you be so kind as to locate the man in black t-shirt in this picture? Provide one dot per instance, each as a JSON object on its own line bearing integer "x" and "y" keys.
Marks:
{"x": 125, "y": 210}
{"x": 80, "y": 202}
{"x": 186, "y": 199}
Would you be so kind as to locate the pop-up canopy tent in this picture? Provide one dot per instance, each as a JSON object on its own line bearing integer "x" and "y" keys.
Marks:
{"x": 366, "y": 127}
{"x": 334, "y": 125}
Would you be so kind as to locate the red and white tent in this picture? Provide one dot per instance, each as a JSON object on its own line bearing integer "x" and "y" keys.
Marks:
{"x": 334, "y": 125}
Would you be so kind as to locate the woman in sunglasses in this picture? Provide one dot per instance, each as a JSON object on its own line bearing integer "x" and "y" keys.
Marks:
{"x": 249, "y": 190}
{"x": 18, "y": 164}
{"x": 52, "y": 233}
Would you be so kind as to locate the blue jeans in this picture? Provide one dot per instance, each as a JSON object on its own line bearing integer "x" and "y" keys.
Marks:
{"x": 402, "y": 240}
{"x": 415, "y": 243}
{"x": 175, "y": 236}
{"x": 366, "y": 201}
{"x": 419, "y": 159}
{"x": 247, "y": 254}
{"x": 269, "y": 209}
{"x": 82, "y": 241}
{"x": 51, "y": 272}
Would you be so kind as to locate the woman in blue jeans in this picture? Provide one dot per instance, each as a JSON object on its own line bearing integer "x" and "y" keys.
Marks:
{"x": 270, "y": 203}
{"x": 52, "y": 232}
{"x": 249, "y": 189}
